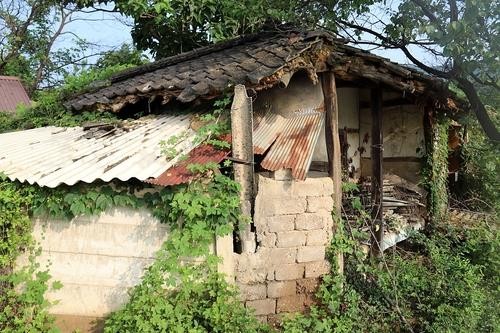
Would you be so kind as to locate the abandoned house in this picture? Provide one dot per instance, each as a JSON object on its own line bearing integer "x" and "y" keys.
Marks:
{"x": 308, "y": 112}
{"x": 12, "y": 94}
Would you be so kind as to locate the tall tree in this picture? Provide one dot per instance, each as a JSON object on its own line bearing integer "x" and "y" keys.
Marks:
{"x": 29, "y": 32}
{"x": 461, "y": 35}
{"x": 168, "y": 27}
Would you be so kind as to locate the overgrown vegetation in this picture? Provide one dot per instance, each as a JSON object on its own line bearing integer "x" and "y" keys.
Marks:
{"x": 436, "y": 170}
{"x": 48, "y": 108}
{"x": 182, "y": 291}
{"x": 443, "y": 280}
{"x": 478, "y": 189}
{"x": 23, "y": 307}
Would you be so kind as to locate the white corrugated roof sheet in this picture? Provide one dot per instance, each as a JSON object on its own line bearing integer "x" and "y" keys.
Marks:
{"x": 52, "y": 156}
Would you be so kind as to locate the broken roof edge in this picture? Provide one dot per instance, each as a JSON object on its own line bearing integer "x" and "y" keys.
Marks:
{"x": 53, "y": 156}
{"x": 212, "y": 48}
{"x": 304, "y": 48}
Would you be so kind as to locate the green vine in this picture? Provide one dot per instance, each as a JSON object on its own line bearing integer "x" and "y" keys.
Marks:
{"x": 443, "y": 281}
{"x": 182, "y": 291}
{"x": 22, "y": 286}
{"x": 436, "y": 170}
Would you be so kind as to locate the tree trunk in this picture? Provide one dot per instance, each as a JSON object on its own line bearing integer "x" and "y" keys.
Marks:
{"x": 479, "y": 109}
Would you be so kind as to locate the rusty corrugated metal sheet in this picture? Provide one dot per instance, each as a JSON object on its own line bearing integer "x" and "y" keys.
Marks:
{"x": 12, "y": 94}
{"x": 267, "y": 132}
{"x": 294, "y": 145}
{"x": 51, "y": 156}
{"x": 179, "y": 173}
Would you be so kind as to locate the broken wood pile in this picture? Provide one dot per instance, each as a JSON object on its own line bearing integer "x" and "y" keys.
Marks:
{"x": 403, "y": 202}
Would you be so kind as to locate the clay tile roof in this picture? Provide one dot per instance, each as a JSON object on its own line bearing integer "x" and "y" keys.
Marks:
{"x": 258, "y": 61}
{"x": 12, "y": 94}
{"x": 203, "y": 72}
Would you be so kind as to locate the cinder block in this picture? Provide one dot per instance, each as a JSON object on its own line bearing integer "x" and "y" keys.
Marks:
{"x": 262, "y": 306}
{"x": 275, "y": 320}
{"x": 316, "y": 269}
{"x": 283, "y": 174}
{"x": 310, "y": 221}
{"x": 262, "y": 319}
{"x": 281, "y": 256}
{"x": 281, "y": 223}
{"x": 282, "y": 205}
{"x": 250, "y": 292}
{"x": 267, "y": 239}
{"x": 317, "y": 237}
{"x": 307, "y": 286}
{"x": 277, "y": 289}
{"x": 295, "y": 303}
{"x": 313, "y": 187}
{"x": 289, "y": 272}
{"x": 317, "y": 204}
{"x": 252, "y": 276}
{"x": 310, "y": 253}
{"x": 291, "y": 239}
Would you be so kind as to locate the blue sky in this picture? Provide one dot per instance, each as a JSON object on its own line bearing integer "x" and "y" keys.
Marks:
{"x": 112, "y": 30}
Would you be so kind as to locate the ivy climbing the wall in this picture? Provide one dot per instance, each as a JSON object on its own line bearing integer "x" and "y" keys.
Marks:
{"x": 444, "y": 280}
{"x": 436, "y": 170}
{"x": 182, "y": 291}
{"x": 23, "y": 307}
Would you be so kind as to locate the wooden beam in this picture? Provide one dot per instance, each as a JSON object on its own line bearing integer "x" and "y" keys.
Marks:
{"x": 332, "y": 135}
{"x": 377, "y": 183}
{"x": 242, "y": 148}
{"x": 333, "y": 144}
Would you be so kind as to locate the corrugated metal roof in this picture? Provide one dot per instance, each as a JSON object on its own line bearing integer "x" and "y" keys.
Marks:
{"x": 51, "y": 156}
{"x": 179, "y": 173}
{"x": 12, "y": 93}
{"x": 267, "y": 132}
{"x": 291, "y": 141}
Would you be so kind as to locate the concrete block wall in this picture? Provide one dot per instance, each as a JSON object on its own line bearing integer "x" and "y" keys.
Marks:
{"x": 97, "y": 259}
{"x": 294, "y": 226}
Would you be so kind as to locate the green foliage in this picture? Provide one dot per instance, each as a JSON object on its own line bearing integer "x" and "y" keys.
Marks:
{"x": 48, "y": 106}
{"x": 178, "y": 293}
{"x": 215, "y": 124}
{"x": 68, "y": 202}
{"x": 125, "y": 55}
{"x": 15, "y": 225}
{"x": 436, "y": 170}
{"x": 443, "y": 281}
{"x": 23, "y": 307}
{"x": 198, "y": 23}
{"x": 468, "y": 33}
{"x": 479, "y": 189}
{"x": 169, "y": 148}
{"x": 22, "y": 304}
{"x": 30, "y": 35}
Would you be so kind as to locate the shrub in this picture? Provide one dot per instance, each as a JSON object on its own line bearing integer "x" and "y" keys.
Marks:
{"x": 443, "y": 281}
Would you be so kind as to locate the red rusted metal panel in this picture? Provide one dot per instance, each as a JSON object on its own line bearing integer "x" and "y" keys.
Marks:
{"x": 179, "y": 173}
{"x": 12, "y": 94}
{"x": 294, "y": 146}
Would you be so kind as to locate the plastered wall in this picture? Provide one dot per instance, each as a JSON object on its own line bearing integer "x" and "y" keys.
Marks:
{"x": 300, "y": 94}
{"x": 403, "y": 132}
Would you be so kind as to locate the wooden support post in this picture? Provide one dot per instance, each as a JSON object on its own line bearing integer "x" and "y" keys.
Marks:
{"x": 242, "y": 146}
{"x": 377, "y": 156}
{"x": 333, "y": 144}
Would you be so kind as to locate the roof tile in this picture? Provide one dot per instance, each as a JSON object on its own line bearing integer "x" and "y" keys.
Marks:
{"x": 12, "y": 94}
